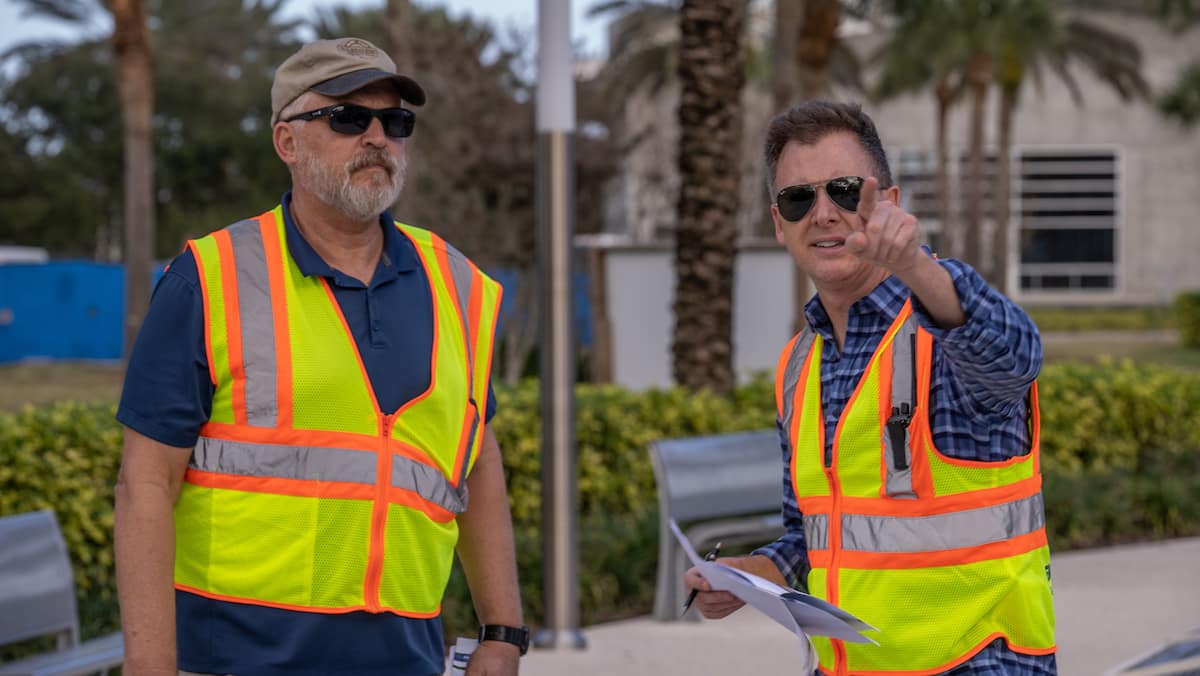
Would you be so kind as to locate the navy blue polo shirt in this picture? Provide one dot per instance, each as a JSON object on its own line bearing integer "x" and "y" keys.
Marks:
{"x": 168, "y": 396}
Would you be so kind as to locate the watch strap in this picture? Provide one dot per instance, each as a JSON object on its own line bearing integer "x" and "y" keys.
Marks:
{"x": 518, "y": 636}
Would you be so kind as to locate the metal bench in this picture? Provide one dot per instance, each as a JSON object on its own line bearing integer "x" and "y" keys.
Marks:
{"x": 724, "y": 488}
{"x": 37, "y": 598}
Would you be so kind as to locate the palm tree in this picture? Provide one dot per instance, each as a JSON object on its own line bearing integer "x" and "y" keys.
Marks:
{"x": 1031, "y": 37}
{"x": 926, "y": 47}
{"x": 135, "y": 69}
{"x": 135, "y": 79}
{"x": 712, "y": 73}
{"x": 976, "y": 43}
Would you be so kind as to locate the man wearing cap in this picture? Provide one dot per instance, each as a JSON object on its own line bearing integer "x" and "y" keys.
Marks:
{"x": 305, "y": 411}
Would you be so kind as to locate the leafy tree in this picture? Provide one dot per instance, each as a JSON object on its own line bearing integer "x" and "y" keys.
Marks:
{"x": 214, "y": 163}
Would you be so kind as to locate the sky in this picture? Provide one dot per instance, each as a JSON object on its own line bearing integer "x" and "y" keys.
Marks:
{"x": 523, "y": 13}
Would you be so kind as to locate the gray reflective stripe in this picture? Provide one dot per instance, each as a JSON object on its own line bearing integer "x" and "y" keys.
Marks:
{"x": 460, "y": 271}
{"x": 310, "y": 463}
{"x": 970, "y": 528}
{"x": 284, "y": 462}
{"x": 464, "y": 276}
{"x": 899, "y": 479}
{"x": 257, "y": 323}
{"x": 791, "y": 374}
{"x": 429, "y": 483}
{"x": 816, "y": 531}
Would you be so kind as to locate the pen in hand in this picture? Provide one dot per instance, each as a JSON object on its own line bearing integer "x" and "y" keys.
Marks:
{"x": 711, "y": 556}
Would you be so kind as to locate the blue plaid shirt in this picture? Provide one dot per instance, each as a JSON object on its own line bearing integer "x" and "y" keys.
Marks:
{"x": 982, "y": 371}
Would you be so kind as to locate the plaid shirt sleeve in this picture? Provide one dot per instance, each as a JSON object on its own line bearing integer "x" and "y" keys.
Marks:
{"x": 994, "y": 357}
{"x": 789, "y": 552}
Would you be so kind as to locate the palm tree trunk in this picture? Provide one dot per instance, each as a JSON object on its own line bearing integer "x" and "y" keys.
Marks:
{"x": 951, "y": 241}
{"x": 818, "y": 36}
{"x": 135, "y": 78}
{"x": 1003, "y": 195}
{"x": 979, "y": 75}
{"x": 815, "y": 34}
{"x": 711, "y": 74}
{"x": 788, "y": 17}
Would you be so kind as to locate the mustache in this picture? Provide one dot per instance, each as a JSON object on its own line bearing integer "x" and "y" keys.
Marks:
{"x": 372, "y": 158}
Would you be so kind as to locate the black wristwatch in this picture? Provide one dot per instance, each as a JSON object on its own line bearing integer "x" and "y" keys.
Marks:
{"x": 518, "y": 636}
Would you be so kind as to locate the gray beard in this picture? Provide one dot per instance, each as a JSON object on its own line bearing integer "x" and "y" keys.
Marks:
{"x": 334, "y": 188}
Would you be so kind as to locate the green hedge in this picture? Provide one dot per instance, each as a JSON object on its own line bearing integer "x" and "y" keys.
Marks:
{"x": 1187, "y": 318}
{"x": 1121, "y": 448}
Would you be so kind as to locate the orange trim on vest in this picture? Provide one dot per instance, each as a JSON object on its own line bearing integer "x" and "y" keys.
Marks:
{"x": 362, "y": 368}
{"x": 302, "y": 488}
{"x": 821, "y": 558}
{"x": 985, "y": 497}
{"x": 922, "y": 475}
{"x": 442, "y": 260}
{"x": 304, "y": 609}
{"x": 798, "y": 413}
{"x": 886, "y": 370}
{"x": 273, "y": 253}
{"x": 781, "y": 373}
{"x": 212, "y": 373}
{"x": 233, "y": 325}
{"x": 377, "y": 547}
{"x": 962, "y": 660}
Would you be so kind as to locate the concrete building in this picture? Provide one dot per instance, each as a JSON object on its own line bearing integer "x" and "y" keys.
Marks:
{"x": 1102, "y": 201}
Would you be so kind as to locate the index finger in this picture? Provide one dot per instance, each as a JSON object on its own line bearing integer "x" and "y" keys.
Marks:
{"x": 866, "y": 200}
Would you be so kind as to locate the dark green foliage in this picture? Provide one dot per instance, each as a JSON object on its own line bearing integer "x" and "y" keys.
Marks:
{"x": 1120, "y": 444}
{"x": 1187, "y": 318}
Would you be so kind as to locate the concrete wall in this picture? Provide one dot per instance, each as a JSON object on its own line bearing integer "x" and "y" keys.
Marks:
{"x": 640, "y": 290}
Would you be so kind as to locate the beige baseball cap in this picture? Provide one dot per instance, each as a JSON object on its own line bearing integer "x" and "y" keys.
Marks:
{"x": 336, "y": 68}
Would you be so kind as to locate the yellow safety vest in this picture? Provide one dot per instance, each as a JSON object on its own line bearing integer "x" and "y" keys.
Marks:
{"x": 301, "y": 494}
{"x": 942, "y": 555}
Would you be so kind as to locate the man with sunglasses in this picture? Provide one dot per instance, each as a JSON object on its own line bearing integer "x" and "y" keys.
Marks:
{"x": 907, "y": 412}
{"x": 306, "y": 411}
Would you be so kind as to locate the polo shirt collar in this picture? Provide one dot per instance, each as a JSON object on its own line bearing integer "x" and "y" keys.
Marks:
{"x": 398, "y": 252}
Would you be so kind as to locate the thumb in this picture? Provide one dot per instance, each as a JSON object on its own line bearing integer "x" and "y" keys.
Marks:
{"x": 856, "y": 242}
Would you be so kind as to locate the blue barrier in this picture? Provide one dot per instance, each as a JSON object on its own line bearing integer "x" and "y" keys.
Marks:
{"x": 74, "y": 310}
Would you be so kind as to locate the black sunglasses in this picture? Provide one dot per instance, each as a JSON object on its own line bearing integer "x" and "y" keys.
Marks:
{"x": 347, "y": 118}
{"x": 794, "y": 201}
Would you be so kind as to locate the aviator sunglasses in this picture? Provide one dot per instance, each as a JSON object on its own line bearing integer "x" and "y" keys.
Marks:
{"x": 794, "y": 201}
{"x": 348, "y": 118}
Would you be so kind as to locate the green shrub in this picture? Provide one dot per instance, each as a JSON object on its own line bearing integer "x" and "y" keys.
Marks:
{"x": 64, "y": 457}
{"x": 1187, "y": 318}
{"x": 1120, "y": 443}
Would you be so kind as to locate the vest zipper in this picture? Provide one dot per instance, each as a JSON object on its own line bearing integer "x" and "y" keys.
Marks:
{"x": 383, "y": 480}
{"x": 835, "y": 548}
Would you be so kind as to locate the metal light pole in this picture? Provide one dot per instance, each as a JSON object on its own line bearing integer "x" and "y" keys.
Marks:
{"x": 555, "y": 209}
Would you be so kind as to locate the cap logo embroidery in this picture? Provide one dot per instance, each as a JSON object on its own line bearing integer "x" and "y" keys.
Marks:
{"x": 357, "y": 48}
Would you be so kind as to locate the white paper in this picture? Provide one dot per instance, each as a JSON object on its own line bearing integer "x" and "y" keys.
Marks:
{"x": 802, "y": 614}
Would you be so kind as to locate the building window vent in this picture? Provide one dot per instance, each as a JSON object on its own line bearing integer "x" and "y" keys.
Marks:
{"x": 1068, "y": 220}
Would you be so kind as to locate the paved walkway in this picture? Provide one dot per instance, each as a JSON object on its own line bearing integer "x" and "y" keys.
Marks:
{"x": 1113, "y": 604}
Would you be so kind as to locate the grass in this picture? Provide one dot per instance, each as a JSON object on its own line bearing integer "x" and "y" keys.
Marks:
{"x": 1151, "y": 318}
{"x": 43, "y": 382}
